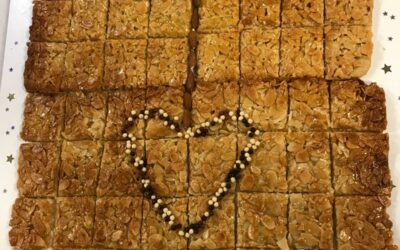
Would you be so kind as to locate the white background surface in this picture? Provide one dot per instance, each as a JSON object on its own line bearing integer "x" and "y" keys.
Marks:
{"x": 3, "y": 27}
{"x": 385, "y": 52}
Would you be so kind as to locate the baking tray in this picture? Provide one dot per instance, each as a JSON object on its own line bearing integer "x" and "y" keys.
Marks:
{"x": 385, "y": 70}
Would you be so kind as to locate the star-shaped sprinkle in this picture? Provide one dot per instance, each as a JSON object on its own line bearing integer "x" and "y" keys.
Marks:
{"x": 387, "y": 68}
{"x": 11, "y": 97}
{"x": 392, "y": 17}
{"x": 390, "y": 38}
{"x": 385, "y": 13}
{"x": 10, "y": 158}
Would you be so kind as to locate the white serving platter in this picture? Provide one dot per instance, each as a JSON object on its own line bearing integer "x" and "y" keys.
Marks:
{"x": 386, "y": 28}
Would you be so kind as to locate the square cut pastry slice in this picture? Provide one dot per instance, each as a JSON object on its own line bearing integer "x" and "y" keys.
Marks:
{"x": 218, "y": 16}
{"x": 218, "y": 57}
{"x": 348, "y": 51}
{"x": 302, "y": 52}
{"x": 362, "y": 222}
{"x": 80, "y": 164}
{"x": 43, "y": 117}
{"x": 32, "y": 222}
{"x": 156, "y": 233}
{"x": 267, "y": 170}
{"x": 128, "y": 19}
{"x": 89, "y": 18}
{"x": 211, "y": 158}
{"x": 261, "y": 220}
{"x": 345, "y": 12}
{"x": 167, "y": 61}
{"x": 261, "y": 13}
{"x": 85, "y": 116}
{"x": 302, "y": 13}
{"x": 125, "y": 64}
{"x": 117, "y": 222}
{"x": 266, "y": 103}
{"x": 259, "y": 53}
{"x": 117, "y": 176}
{"x": 119, "y": 108}
{"x": 219, "y": 230}
{"x": 170, "y": 18}
{"x": 171, "y": 101}
{"x": 356, "y": 106}
{"x": 38, "y": 165}
{"x": 51, "y": 21}
{"x": 309, "y": 105}
{"x": 74, "y": 222}
{"x": 310, "y": 221}
{"x": 360, "y": 164}
{"x": 44, "y": 68}
{"x": 309, "y": 162}
{"x": 167, "y": 166}
{"x": 211, "y": 98}
{"x": 84, "y": 63}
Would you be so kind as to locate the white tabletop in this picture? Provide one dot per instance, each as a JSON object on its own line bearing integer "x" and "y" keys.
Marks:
{"x": 3, "y": 29}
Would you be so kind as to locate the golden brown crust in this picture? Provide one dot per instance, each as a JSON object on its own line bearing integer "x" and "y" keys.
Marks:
{"x": 83, "y": 66}
{"x": 348, "y": 51}
{"x": 167, "y": 166}
{"x": 218, "y": 16}
{"x": 74, "y": 222}
{"x": 128, "y": 19}
{"x": 309, "y": 162}
{"x": 117, "y": 176}
{"x": 259, "y": 54}
{"x": 44, "y": 67}
{"x": 88, "y": 19}
{"x": 156, "y": 233}
{"x": 80, "y": 163}
{"x": 360, "y": 163}
{"x": 218, "y": 57}
{"x": 302, "y": 13}
{"x": 266, "y": 103}
{"x": 211, "y": 158}
{"x": 37, "y": 168}
{"x": 171, "y": 101}
{"x": 120, "y": 105}
{"x": 118, "y": 222}
{"x": 262, "y": 220}
{"x": 170, "y": 18}
{"x": 345, "y": 12}
{"x": 302, "y": 52}
{"x": 310, "y": 221}
{"x": 267, "y": 170}
{"x": 167, "y": 62}
{"x": 209, "y": 99}
{"x": 309, "y": 105}
{"x": 43, "y": 117}
{"x": 218, "y": 231}
{"x": 31, "y": 223}
{"x": 51, "y": 21}
{"x": 262, "y": 13}
{"x": 125, "y": 64}
{"x": 357, "y": 106}
{"x": 362, "y": 223}
{"x": 85, "y": 116}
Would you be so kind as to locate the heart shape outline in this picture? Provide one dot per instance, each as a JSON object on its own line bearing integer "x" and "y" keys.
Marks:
{"x": 201, "y": 130}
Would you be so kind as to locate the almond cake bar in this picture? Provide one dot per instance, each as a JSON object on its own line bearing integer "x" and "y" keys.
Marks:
{"x": 198, "y": 124}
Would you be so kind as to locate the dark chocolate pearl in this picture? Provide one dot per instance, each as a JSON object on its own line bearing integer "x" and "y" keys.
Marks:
{"x": 253, "y": 129}
{"x": 228, "y": 184}
{"x": 196, "y": 227}
{"x": 223, "y": 112}
{"x": 246, "y": 123}
{"x": 238, "y": 113}
{"x": 176, "y": 226}
{"x": 154, "y": 201}
{"x": 212, "y": 123}
{"x": 166, "y": 219}
{"x": 250, "y": 135}
{"x": 211, "y": 207}
{"x": 250, "y": 151}
{"x": 204, "y": 218}
{"x": 242, "y": 158}
{"x": 133, "y": 153}
{"x": 237, "y": 165}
